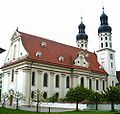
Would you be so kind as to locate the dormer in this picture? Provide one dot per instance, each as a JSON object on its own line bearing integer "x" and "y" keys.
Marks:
{"x": 81, "y": 59}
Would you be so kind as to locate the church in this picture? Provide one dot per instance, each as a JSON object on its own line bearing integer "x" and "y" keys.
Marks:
{"x": 35, "y": 63}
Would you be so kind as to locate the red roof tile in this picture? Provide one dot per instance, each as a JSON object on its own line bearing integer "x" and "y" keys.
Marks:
{"x": 54, "y": 50}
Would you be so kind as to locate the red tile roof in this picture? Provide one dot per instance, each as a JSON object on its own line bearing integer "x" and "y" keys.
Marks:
{"x": 54, "y": 50}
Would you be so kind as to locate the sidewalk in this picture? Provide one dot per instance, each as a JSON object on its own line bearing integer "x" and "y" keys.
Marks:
{"x": 41, "y": 109}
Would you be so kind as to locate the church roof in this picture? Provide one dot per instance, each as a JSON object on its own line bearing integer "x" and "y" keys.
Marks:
{"x": 54, "y": 53}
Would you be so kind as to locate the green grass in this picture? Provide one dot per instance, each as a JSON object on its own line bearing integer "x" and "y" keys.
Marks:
{"x": 13, "y": 111}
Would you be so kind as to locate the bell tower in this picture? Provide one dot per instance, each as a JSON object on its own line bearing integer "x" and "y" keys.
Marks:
{"x": 82, "y": 37}
{"x": 106, "y": 55}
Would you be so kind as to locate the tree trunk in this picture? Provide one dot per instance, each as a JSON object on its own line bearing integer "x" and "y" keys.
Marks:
{"x": 96, "y": 106}
{"x": 17, "y": 104}
{"x": 112, "y": 106}
{"x": 77, "y": 106}
{"x": 37, "y": 106}
{"x": 11, "y": 99}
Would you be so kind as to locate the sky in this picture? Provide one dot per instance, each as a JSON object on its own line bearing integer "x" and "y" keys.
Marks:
{"x": 58, "y": 20}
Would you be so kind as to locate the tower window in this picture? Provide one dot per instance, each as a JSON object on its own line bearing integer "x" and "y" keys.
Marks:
{"x": 110, "y": 38}
{"x": 106, "y": 38}
{"x": 101, "y": 38}
{"x": 110, "y": 45}
{"x": 111, "y": 65}
{"x": 111, "y": 56}
{"x": 101, "y": 45}
{"x": 81, "y": 45}
{"x": 106, "y": 44}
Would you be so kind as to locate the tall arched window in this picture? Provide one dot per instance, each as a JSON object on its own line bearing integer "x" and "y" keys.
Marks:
{"x": 90, "y": 84}
{"x": 67, "y": 82}
{"x": 112, "y": 83}
{"x": 45, "y": 80}
{"x": 57, "y": 81}
{"x": 33, "y": 78}
{"x": 103, "y": 85}
{"x": 12, "y": 76}
{"x": 97, "y": 85}
{"x": 82, "y": 81}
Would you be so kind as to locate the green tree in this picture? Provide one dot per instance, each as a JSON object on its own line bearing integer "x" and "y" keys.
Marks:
{"x": 53, "y": 98}
{"x": 96, "y": 98}
{"x": 11, "y": 95}
{"x": 18, "y": 96}
{"x": 112, "y": 94}
{"x": 77, "y": 94}
{"x": 4, "y": 97}
{"x": 38, "y": 97}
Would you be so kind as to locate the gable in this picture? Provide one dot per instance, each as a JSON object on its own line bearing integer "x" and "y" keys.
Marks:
{"x": 16, "y": 49}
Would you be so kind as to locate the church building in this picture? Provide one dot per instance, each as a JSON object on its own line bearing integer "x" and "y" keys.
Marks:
{"x": 35, "y": 63}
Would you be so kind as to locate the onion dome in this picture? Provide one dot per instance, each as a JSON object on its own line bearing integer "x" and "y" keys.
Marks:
{"x": 81, "y": 35}
{"x": 104, "y": 27}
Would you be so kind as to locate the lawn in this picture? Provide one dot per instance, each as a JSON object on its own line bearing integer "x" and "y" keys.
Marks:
{"x": 13, "y": 111}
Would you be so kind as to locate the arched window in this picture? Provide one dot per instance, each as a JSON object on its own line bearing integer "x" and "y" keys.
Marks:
{"x": 12, "y": 76}
{"x": 57, "y": 95}
{"x": 44, "y": 95}
{"x": 57, "y": 81}
{"x": 32, "y": 95}
{"x": 103, "y": 85}
{"x": 67, "y": 82}
{"x": 33, "y": 78}
{"x": 45, "y": 80}
{"x": 112, "y": 83}
{"x": 90, "y": 84}
{"x": 97, "y": 85}
{"x": 82, "y": 81}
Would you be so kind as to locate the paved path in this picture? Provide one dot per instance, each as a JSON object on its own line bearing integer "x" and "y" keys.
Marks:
{"x": 41, "y": 109}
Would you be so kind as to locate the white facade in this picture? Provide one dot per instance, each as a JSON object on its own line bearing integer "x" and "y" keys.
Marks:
{"x": 27, "y": 76}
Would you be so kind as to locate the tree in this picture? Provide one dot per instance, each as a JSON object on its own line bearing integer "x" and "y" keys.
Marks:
{"x": 112, "y": 94}
{"x": 38, "y": 97}
{"x": 77, "y": 94}
{"x": 18, "y": 96}
{"x": 53, "y": 99}
{"x": 95, "y": 97}
{"x": 11, "y": 95}
{"x": 4, "y": 97}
